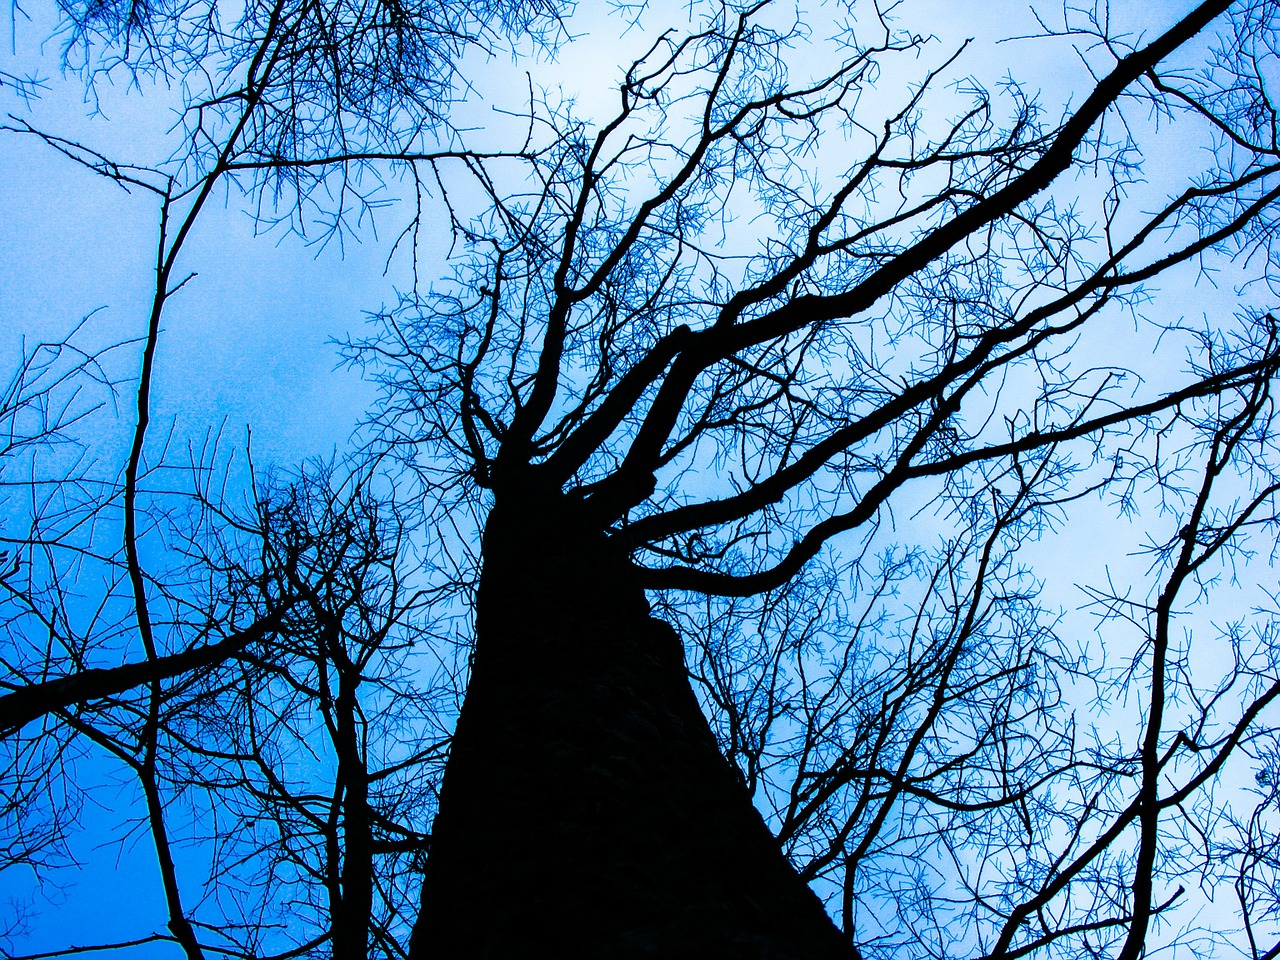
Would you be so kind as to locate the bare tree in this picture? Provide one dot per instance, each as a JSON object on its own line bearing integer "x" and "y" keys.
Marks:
{"x": 662, "y": 457}
{"x": 280, "y": 732}
{"x": 646, "y": 402}
{"x": 300, "y": 741}
{"x": 147, "y": 606}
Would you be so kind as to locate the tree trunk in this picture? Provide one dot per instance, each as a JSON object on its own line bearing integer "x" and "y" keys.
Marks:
{"x": 586, "y": 810}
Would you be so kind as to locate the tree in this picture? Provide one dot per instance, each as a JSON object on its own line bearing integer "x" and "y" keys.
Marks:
{"x": 205, "y": 608}
{"x": 669, "y": 426}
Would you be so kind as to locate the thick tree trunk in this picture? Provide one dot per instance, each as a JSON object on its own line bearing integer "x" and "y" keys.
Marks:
{"x": 586, "y": 810}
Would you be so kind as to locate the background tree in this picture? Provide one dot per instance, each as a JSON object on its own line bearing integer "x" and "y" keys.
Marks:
{"x": 649, "y": 408}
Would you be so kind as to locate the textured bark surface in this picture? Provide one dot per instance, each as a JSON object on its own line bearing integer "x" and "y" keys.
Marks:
{"x": 585, "y": 810}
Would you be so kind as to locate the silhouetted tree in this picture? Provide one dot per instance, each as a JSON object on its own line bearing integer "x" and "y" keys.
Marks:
{"x": 695, "y": 365}
{"x": 147, "y": 606}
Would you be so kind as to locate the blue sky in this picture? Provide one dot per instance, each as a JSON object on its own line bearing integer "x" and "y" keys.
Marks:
{"x": 246, "y": 345}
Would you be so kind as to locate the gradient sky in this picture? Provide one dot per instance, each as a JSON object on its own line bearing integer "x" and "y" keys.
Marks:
{"x": 245, "y": 345}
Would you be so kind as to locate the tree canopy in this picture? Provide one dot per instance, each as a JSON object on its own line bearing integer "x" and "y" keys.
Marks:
{"x": 820, "y": 401}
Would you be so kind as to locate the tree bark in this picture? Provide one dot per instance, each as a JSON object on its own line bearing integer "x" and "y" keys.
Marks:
{"x": 586, "y": 810}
